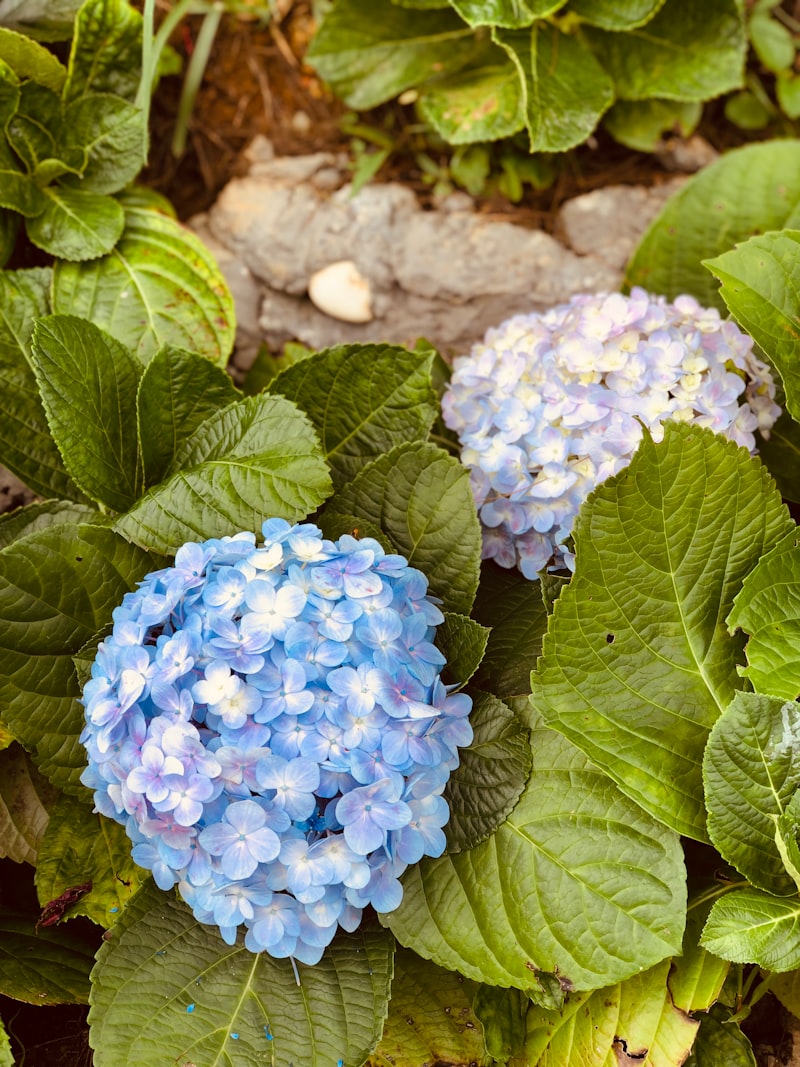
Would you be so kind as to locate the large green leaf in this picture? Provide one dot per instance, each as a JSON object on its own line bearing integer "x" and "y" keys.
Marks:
{"x": 58, "y": 586}
{"x": 166, "y": 988}
{"x": 613, "y": 15}
{"x": 641, "y": 124}
{"x": 491, "y": 774}
{"x": 26, "y": 520}
{"x": 255, "y": 459}
{"x": 88, "y": 381}
{"x": 760, "y": 283}
{"x": 81, "y": 846}
{"x": 18, "y": 191}
{"x": 159, "y": 286}
{"x": 638, "y": 664}
{"x": 629, "y": 1023}
{"x": 106, "y": 55}
{"x": 6, "y": 1057}
{"x": 767, "y": 609}
{"x": 76, "y": 225}
{"x": 111, "y": 132}
{"x": 430, "y": 1018}
{"x": 362, "y": 401}
{"x": 45, "y": 966}
{"x": 511, "y": 14}
{"x": 687, "y": 52}
{"x": 25, "y": 802}
{"x": 750, "y": 926}
{"x": 565, "y": 89}
{"x": 33, "y": 130}
{"x": 26, "y": 446}
{"x": 697, "y": 976}
{"x": 720, "y": 1043}
{"x": 31, "y": 60}
{"x": 747, "y": 191}
{"x": 178, "y": 391}
{"x": 420, "y": 496}
{"x": 750, "y": 769}
{"x": 370, "y": 53}
{"x": 482, "y": 103}
{"x": 463, "y": 643}
{"x": 44, "y": 20}
{"x": 578, "y": 881}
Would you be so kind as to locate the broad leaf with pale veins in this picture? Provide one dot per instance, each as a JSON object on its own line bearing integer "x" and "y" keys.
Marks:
{"x": 76, "y": 225}
{"x": 751, "y": 926}
{"x": 26, "y": 800}
{"x": 484, "y": 102}
{"x": 46, "y": 966}
{"x": 106, "y": 55}
{"x": 462, "y": 641}
{"x": 32, "y": 517}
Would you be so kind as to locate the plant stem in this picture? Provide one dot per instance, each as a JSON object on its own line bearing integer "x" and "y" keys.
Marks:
{"x": 194, "y": 75}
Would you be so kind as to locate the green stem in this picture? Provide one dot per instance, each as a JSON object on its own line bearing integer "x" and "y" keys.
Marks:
{"x": 194, "y": 75}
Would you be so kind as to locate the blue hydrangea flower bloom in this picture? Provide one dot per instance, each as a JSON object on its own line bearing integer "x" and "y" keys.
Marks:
{"x": 551, "y": 404}
{"x": 269, "y": 724}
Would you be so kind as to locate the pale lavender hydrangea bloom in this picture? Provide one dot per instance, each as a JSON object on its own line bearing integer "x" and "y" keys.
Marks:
{"x": 552, "y": 403}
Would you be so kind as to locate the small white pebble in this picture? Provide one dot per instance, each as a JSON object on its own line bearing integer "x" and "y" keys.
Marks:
{"x": 342, "y": 291}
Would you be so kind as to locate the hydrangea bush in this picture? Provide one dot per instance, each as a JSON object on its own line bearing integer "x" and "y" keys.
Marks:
{"x": 550, "y": 404}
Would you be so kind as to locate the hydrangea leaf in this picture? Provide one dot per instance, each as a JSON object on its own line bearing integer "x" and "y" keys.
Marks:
{"x": 76, "y": 225}
{"x": 25, "y": 800}
{"x": 256, "y": 458}
{"x": 159, "y": 286}
{"x": 721, "y": 1041}
{"x": 519, "y": 902}
{"x": 491, "y": 775}
{"x": 33, "y": 130}
{"x": 32, "y": 517}
{"x": 631, "y": 1022}
{"x": 26, "y": 446}
{"x": 106, "y": 54}
{"x": 511, "y": 14}
{"x": 88, "y": 381}
{"x": 362, "y": 400}
{"x": 512, "y": 606}
{"x": 58, "y": 586}
{"x": 50, "y": 965}
{"x": 615, "y": 16}
{"x": 751, "y": 770}
{"x": 766, "y": 608}
{"x": 224, "y": 1004}
{"x": 760, "y": 283}
{"x": 685, "y": 52}
{"x": 565, "y": 89}
{"x": 111, "y": 132}
{"x": 751, "y": 926}
{"x": 43, "y": 20}
{"x": 369, "y": 60}
{"x": 638, "y": 635}
{"x": 81, "y": 846}
{"x": 178, "y": 391}
{"x": 781, "y": 456}
{"x": 641, "y": 124}
{"x": 482, "y": 103}
{"x": 502, "y": 1014}
{"x": 749, "y": 190}
{"x": 6, "y": 1058}
{"x": 430, "y": 1018}
{"x": 463, "y": 642}
{"x": 697, "y": 975}
{"x": 420, "y": 496}
{"x": 28, "y": 59}
{"x": 18, "y": 191}
{"x": 333, "y": 525}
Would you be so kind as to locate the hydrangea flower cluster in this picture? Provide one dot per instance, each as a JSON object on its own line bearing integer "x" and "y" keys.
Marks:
{"x": 551, "y": 404}
{"x": 270, "y": 726}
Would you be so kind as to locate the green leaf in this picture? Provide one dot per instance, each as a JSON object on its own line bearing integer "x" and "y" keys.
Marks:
{"x": 638, "y": 636}
{"x": 502, "y": 1015}
{"x": 33, "y": 517}
{"x": 482, "y": 103}
{"x": 159, "y": 286}
{"x": 747, "y": 111}
{"x": 750, "y": 770}
{"x": 44, "y": 20}
{"x": 512, "y": 606}
{"x": 766, "y": 608}
{"x": 613, "y": 15}
{"x": 26, "y": 446}
{"x": 76, "y": 225}
{"x": 750, "y": 926}
{"x": 420, "y": 496}
{"x": 368, "y": 61}
{"x": 463, "y": 644}
{"x": 772, "y": 42}
{"x": 578, "y": 881}
{"x": 267, "y": 366}
{"x": 565, "y": 89}
{"x": 787, "y": 89}
{"x": 25, "y": 801}
{"x": 46, "y": 966}
{"x": 58, "y": 586}
{"x": 780, "y": 454}
{"x": 18, "y": 191}
{"x": 88, "y": 381}
{"x": 362, "y": 401}
{"x": 334, "y": 525}
{"x": 629, "y": 1023}
{"x": 491, "y": 774}
{"x": 720, "y": 1043}
{"x": 81, "y": 846}
{"x": 511, "y": 14}
{"x": 111, "y": 132}
{"x": 246, "y": 1007}
{"x": 6, "y": 1058}
{"x": 687, "y": 52}
{"x": 430, "y": 1018}
{"x": 31, "y": 60}
{"x": 106, "y": 55}
{"x": 786, "y": 988}
{"x": 761, "y": 287}
{"x": 145, "y": 199}
{"x": 178, "y": 392}
{"x": 32, "y": 131}
{"x": 255, "y": 459}
{"x": 697, "y": 976}
{"x": 641, "y": 124}
{"x": 749, "y": 190}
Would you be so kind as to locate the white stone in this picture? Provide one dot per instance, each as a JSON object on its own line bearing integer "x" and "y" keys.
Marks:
{"x": 342, "y": 291}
